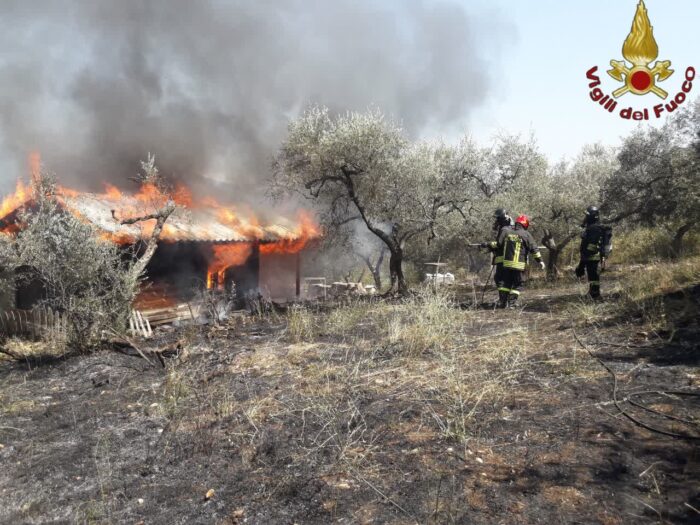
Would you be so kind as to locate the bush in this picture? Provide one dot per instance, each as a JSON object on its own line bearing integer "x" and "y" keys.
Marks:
{"x": 84, "y": 277}
{"x": 647, "y": 244}
{"x": 644, "y": 293}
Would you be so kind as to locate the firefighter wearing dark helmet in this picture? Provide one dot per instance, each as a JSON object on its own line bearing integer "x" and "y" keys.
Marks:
{"x": 596, "y": 245}
{"x": 516, "y": 246}
{"x": 501, "y": 219}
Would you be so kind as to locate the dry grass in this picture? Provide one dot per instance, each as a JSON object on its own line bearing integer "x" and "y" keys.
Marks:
{"x": 301, "y": 324}
{"x": 175, "y": 391}
{"x": 24, "y": 349}
{"x": 422, "y": 348}
{"x": 360, "y": 394}
{"x": 642, "y": 293}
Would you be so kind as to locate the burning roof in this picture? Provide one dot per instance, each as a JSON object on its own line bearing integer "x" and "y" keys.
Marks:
{"x": 202, "y": 221}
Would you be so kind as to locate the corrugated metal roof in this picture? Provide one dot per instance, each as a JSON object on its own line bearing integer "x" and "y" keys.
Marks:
{"x": 199, "y": 224}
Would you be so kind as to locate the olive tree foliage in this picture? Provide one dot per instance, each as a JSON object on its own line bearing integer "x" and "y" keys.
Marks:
{"x": 85, "y": 278}
{"x": 556, "y": 198}
{"x": 489, "y": 175}
{"x": 657, "y": 180}
{"x": 91, "y": 281}
{"x": 362, "y": 167}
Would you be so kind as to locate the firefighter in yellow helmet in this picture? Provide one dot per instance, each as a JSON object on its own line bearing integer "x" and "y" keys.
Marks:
{"x": 516, "y": 244}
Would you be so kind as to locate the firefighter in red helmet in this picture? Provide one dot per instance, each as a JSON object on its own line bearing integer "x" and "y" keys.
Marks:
{"x": 516, "y": 244}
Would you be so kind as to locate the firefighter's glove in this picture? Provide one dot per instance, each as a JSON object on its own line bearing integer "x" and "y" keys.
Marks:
{"x": 580, "y": 270}
{"x": 542, "y": 265}
{"x": 484, "y": 245}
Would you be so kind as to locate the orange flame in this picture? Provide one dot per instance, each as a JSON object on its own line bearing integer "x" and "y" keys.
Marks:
{"x": 149, "y": 198}
{"x": 225, "y": 256}
{"x": 16, "y": 200}
{"x": 296, "y": 240}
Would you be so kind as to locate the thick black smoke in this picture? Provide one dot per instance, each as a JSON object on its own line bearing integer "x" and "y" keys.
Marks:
{"x": 209, "y": 86}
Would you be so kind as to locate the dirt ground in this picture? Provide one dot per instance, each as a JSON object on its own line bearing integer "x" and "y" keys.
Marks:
{"x": 331, "y": 429}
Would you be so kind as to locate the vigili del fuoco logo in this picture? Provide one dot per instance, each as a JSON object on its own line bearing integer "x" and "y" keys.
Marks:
{"x": 638, "y": 75}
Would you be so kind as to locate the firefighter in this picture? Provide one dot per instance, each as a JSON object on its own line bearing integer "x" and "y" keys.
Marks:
{"x": 501, "y": 220}
{"x": 516, "y": 246}
{"x": 596, "y": 245}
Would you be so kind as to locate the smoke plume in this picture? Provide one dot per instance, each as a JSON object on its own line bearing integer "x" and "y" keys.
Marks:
{"x": 209, "y": 85}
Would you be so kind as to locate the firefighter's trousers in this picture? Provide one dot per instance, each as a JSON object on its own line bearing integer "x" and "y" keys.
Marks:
{"x": 498, "y": 275}
{"x": 509, "y": 290}
{"x": 593, "y": 278}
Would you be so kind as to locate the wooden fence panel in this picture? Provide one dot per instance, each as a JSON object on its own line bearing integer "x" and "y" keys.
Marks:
{"x": 38, "y": 323}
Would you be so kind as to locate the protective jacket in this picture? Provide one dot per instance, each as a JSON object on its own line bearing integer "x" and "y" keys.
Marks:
{"x": 595, "y": 242}
{"x": 516, "y": 244}
{"x": 493, "y": 246}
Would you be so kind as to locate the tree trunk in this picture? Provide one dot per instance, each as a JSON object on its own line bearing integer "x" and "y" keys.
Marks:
{"x": 398, "y": 282}
{"x": 376, "y": 268}
{"x": 553, "y": 264}
{"x": 552, "y": 257}
{"x": 377, "y": 276}
{"x": 161, "y": 216}
{"x": 554, "y": 253}
{"x": 677, "y": 243}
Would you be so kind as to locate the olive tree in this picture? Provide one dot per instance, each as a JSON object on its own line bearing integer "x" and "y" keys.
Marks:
{"x": 82, "y": 276}
{"x": 555, "y": 198}
{"x": 91, "y": 281}
{"x": 657, "y": 179}
{"x": 362, "y": 167}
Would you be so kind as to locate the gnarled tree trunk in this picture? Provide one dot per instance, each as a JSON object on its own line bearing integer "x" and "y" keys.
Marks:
{"x": 376, "y": 268}
{"x": 398, "y": 281}
{"x": 677, "y": 243}
{"x": 554, "y": 253}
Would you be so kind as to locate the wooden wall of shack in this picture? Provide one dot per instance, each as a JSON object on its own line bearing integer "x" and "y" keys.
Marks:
{"x": 180, "y": 269}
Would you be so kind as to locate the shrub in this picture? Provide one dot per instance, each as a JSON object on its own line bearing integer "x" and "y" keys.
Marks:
{"x": 84, "y": 277}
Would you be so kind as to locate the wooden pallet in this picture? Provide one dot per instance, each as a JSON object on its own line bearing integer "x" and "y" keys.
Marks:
{"x": 171, "y": 314}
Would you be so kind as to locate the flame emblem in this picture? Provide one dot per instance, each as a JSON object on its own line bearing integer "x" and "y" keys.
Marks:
{"x": 640, "y": 49}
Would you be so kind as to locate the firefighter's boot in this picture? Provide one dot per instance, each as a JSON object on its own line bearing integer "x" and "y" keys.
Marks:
{"x": 513, "y": 299}
{"x": 594, "y": 290}
{"x": 502, "y": 298}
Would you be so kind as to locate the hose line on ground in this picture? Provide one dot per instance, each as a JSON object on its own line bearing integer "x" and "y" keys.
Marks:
{"x": 627, "y": 414}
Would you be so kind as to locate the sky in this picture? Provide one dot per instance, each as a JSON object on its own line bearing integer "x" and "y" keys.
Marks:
{"x": 542, "y": 85}
{"x": 209, "y": 86}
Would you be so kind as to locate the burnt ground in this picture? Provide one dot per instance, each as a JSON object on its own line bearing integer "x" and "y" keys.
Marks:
{"x": 331, "y": 429}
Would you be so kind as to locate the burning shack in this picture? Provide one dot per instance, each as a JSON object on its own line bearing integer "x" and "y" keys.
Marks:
{"x": 204, "y": 244}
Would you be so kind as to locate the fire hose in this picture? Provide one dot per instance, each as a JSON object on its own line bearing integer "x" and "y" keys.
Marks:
{"x": 618, "y": 402}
